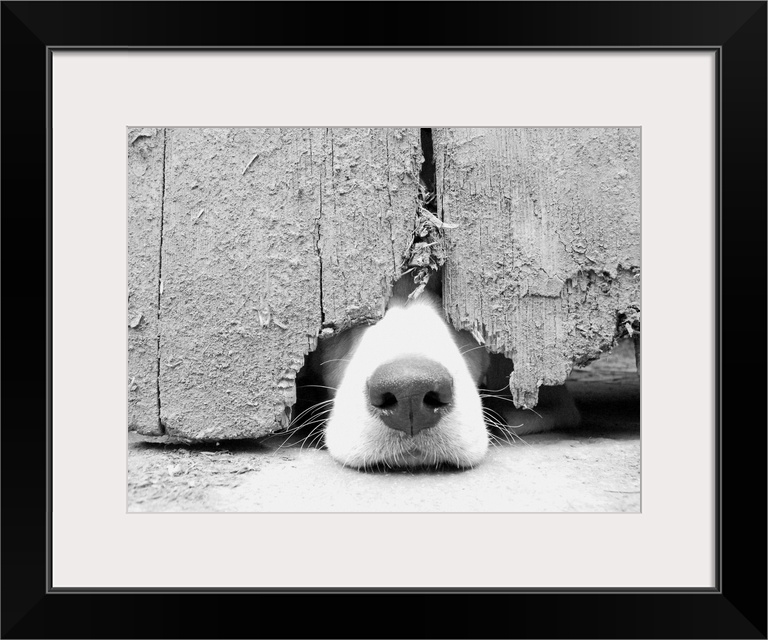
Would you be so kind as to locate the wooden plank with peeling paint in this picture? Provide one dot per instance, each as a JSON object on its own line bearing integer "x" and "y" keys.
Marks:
{"x": 546, "y": 255}
{"x": 269, "y": 235}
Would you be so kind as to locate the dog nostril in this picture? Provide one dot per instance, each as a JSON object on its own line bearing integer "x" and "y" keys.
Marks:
{"x": 432, "y": 399}
{"x": 410, "y": 394}
{"x": 387, "y": 401}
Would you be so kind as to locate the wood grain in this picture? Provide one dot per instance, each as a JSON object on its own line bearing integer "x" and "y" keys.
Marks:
{"x": 546, "y": 256}
{"x": 146, "y": 151}
{"x": 269, "y": 235}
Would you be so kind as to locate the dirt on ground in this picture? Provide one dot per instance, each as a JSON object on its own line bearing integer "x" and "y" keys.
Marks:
{"x": 594, "y": 468}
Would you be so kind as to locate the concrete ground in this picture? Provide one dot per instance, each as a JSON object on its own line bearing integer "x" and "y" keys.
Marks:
{"x": 595, "y": 468}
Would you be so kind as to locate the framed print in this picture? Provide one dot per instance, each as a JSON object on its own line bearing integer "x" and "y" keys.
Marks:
{"x": 183, "y": 141}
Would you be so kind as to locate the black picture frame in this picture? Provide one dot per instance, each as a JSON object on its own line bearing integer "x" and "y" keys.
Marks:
{"x": 736, "y": 608}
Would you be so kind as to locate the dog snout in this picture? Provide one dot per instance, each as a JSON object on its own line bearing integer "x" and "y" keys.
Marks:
{"x": 410, "y": 394}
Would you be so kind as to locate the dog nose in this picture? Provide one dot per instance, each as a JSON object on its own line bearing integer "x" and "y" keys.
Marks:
{"x": 410, "y": 394}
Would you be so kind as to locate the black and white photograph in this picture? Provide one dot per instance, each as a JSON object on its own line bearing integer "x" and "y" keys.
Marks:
{"x": 410, "y": 319}
{"x": 357, "y": 308}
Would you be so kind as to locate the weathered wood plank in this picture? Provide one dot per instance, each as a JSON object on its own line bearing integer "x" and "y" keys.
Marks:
{"x": 240, "y": 303}
{"x": 146, "y": 148}
{"x": 370, "y": 184}
{"x": 255, "y": 220}
{"x": 547, "y": 252}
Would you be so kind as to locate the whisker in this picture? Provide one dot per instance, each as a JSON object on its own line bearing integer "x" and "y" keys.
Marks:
{"x": 316, "y": 418}
{"x": 319, "y": 409}
{"x": 490, "y": 411}
{"x": 334, "y": 360}
{"x": 506, "y": 430}
{"x": 495, "y": 440}
{"x": 491, "y": 397}
{"x": 481, "y": 346}
{"x": 317, "y": 438}
{"x": 310, "y": 409}
{"x": 317, "y": 386}
{"x": 285, "y": 444}
{"x": 321, "y": 418}
{"x": 312, "y": 433}
{"x": 493, "y": 420}
{"x": 506, "y": 386}
{"x": 301, "y": 421}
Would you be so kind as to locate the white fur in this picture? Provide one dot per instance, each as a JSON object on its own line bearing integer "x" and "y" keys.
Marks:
{"x": 356, "y": 437}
